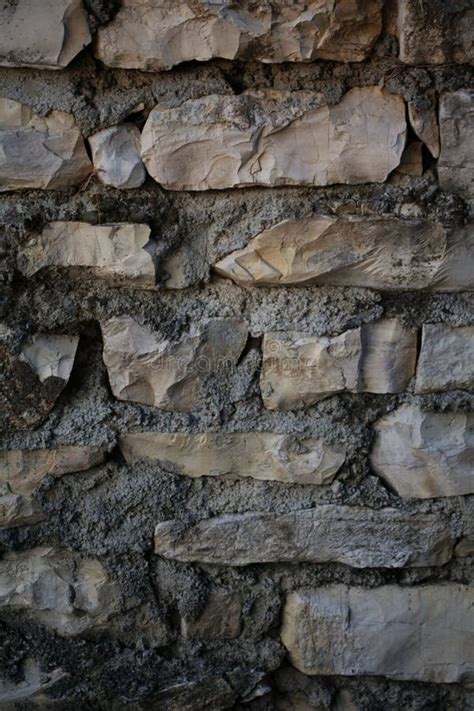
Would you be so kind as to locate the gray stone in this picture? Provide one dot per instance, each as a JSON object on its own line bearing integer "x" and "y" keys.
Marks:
{"x": 32, "y": 687}
{"x": 116, "y": 156}
{"x": 359, "y": 537}
{"x": 50, "y": 356}
{"x": 446, "y": 358}
{"x": 425, "y": 124}
{"x": 220, "y": 618}
{"x": 456, "y": 160}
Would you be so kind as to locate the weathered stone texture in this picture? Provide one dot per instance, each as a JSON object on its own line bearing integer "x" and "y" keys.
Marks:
{"x": 359, "y": 537}
{"x": 379, "y": 253}
{"x": 220, "y": 618}
{"x": 116, "y": 156}
{"x": 272, "y": 137}
{"x": 300, "y": 370}
{"x": 148, "y": 368}
{"x": 32, "y": 687}
{"x": 238, "y": 455}
{"x": 158, "y": 34}
{"x": 120, "y": 253}
{"x": 425, "y": 454}
{"x": 446, "y": 358}
{"x": 50, "y": 356}
{"x": 421, "y": 633}
{"x": 39, "y": 152}
{"x": 412, "y": 159}
{"x": 424, "y": 122}
{"x": 45, "y": 34}
{"x": 456, "y": 160}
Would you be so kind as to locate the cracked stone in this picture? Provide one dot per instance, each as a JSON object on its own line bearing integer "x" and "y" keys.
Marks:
{"x": 116, "y": 156}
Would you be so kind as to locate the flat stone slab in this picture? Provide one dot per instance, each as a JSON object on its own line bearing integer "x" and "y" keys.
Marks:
{"x": 456, "y": 159}
{"x": 446, "y": 358}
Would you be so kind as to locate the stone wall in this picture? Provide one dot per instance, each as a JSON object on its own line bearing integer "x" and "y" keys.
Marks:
{"x": 236, "y": 466}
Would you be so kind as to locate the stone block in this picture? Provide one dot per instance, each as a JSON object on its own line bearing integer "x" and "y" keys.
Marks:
{"x": 446, "y": 358}
{"x": 116, "y": 156}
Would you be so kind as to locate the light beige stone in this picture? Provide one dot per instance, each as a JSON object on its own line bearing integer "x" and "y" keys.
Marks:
{"x": 148, "y": 368}
{"x": 220, "y": 618}
{"x": 272, "y": 138}
{"x": 378, "y": 253}
{"x": 45, "y": 34}
{"x": 423, "y": 633}
{"x": 120, "y": 253}
{"x": 116, "y": 156}
{"x": 22, "y": 471}
{"x": 299, "y": 370}
{"x": 425, "y": 454}
{"x": 425, "y": 124}
{"x": 359, "y": 537}
{"x": 435, "y": 32}
{"x": 50, "y": 356}
{"x": 61, "y": 591}
{"x": 446, "y": 358}
{"x": 238, "y": 455}
{"x": 456, "y": 160}
{"x": 412, "y": 160}
{"x": 38, "y": 152}
{"x": 158, "y": 34}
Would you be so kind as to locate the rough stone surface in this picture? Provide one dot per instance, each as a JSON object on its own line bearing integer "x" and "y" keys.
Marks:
{"x": 446, "y": 358}
{"x": 275, "y": 138}
{"x": 119, "y": 253}
{"x": 380, "y": 253}
{"x": 412, "y": 159}
{"x": 220, "y": 619}
{"x": 358, "y": 537}
{"x": 424, "y": 121}
{"x": 456, "y": 160}
{"x": 158, "y": 34}
{"x": 145, "y": 367}
{"x": 237, "y": 455}
{"x": 423, "y": 633}
{"x": 43, "y": 35}
{"x": 425, "y": 454}
{"x": 50, "y": 356}
{"x": 116, "y": 156}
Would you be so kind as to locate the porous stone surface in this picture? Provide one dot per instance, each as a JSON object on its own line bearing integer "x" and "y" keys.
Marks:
{"x": 425, "y": 454}
{"x": 424, "y": 121}
{"x": 446, "y": 358}
{"x": 119, "y": 253}
{"x": 220, "y": 619}
{"x": 275, "y": 138}
{"x": 116, "y": 156}
{"x": 237, "y": 455}
{"x": 389, "y": 631}
{"x": 39, "y": 152}
{"x": 158, "y": 34}
{"x": 358, "y": 537}
{"x": 456, "y": 160}
{"x": 42, "y": 35}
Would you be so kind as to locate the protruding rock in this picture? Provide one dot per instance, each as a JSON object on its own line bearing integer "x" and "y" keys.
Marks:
{"x": 148, "y": 368}
{"x": 160, "y": 34}
{"x": 446, "y": 358}
{"x": 425, "y": 124}
{"x": 275, "y": 138}
{"x": 237, "y": 455}
{"x": 59, "y": 590}
{"x": 116, "y": 156}
{"x": 300, "y": 370}
{"x": 456, "y": 160}
{"x": 412, "y": 160}
{"x": 425, "y": 454}
{"x": 423, "y": 633}
{"x": 120, "y": 253}
{"x": 43, "y": 35}
{"x": 359, "y": 537}
{"x": 50, "y": 356}
{"x": 378, "y": 253}
{"x": 37, "y": 152}
{"x": 22, "y": 471}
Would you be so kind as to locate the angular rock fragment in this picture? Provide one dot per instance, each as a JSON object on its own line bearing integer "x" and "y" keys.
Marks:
{"x": 58, "y": 589}
{"x": 424, "y": 122}
{"x": 22, "y": 471}
{"x": 220, "y": 619}
{"x": 272, "y": 137}
{"x": 38, "y": 152}
{"x": 148, "y": 368}
{"x": 116, "y": 156}
{"x": 378, "y": 253}
{"x": 425, "y": 454}
{"x": 423, "y": 633}
{"x": 412, "y": 159}
{"x": 43, "y": 35}
{"x": 50, "y": 356}
{"x": 456, "y": 159}
{"x": 359, "y": 537}
{"x": 435, "y": 32}
{"x": 300, "y": 370}
{"x": 446, "y": 358}
{"x": 120, "y": 253}
{"x": 158, "y": 34}
{"x": 237, "y": 455}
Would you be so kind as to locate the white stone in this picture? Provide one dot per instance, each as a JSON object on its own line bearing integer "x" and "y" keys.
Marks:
{"x": 422, "y": 633}
{"x": 116, "y": 156}
{"x": 44, "y": 34}
{"x": 456, "y": 160}
{"x": 50, "y": 356}
{"x": 272, "y": 138}
{"x": 120, "y": 253}
{"x": 446, "y": 358}
{"x": 425, "y": 454}
{"x": 238, "y": 455}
